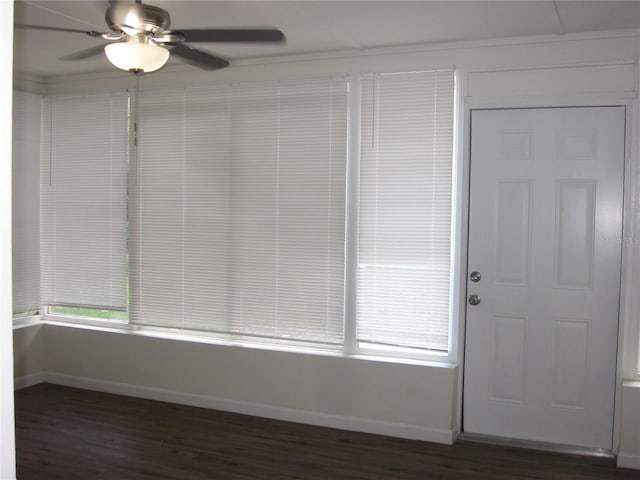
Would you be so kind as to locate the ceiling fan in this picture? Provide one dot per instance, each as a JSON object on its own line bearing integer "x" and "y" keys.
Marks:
{"x": 141, "y": 39}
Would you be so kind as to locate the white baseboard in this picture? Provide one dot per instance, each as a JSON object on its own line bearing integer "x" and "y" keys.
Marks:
{"x": 28, "y": 380}
{"x": 628, "y": 460}
{"x": 356, "y": 424}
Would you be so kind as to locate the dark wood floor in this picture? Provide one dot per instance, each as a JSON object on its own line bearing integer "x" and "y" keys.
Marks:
{"x": 66, "y": 433}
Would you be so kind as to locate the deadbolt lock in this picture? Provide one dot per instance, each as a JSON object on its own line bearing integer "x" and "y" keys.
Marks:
{"x": 475, "y": 276}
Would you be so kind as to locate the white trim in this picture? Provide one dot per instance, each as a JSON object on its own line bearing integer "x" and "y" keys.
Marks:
{"x": 563, "y": 66}
{"x": 28, "y": 380}
{"x": 549, "y": 101}
{"x": 631, "y": 358}
{"x": 352, "y": 198}
{"x": 356, "y": 424}
{"x": 7, "y": 423}
{"x": 629, "y": 268}
{"x": 25, "y": 322}
{"x": 461, "y": 219}
{"x": 628, "y": 460}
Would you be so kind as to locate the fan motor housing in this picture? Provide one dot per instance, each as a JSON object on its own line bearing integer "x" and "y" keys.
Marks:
{"x": 137, "y": 18}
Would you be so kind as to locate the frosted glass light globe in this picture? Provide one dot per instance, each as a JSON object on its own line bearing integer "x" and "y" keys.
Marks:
{"x": 142, "y": 57}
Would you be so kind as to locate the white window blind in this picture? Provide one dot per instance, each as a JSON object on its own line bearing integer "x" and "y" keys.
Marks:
{"x": 238, "y": 223}
{"x": 26, "y": 202}
{"x": 84, "y": 201}
{"x": 405, "y": 209}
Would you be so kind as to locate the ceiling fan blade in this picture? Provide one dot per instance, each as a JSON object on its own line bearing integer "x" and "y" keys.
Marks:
{"x": 84, "y": 54}
{"x": 198, "y": 58}
{"x": 91, "y": 33}
{"x": 260, "y": 35}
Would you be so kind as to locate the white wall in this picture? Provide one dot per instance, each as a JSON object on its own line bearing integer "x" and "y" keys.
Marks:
{"x": 418, "y": 401}
{"x": 28, "y": 355}
{"x": 629, "y": 454}
{"x": 7, "y": 442}
{"x": 390, "y": 398}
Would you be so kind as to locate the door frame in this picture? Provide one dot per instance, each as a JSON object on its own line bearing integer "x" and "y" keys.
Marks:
{"x": 630, "y": 267}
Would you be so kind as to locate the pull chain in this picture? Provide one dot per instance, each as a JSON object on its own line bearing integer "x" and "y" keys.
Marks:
{"x": 136, "y": 105}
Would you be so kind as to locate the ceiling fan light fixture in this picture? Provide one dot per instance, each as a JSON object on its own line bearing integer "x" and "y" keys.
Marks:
{"x": 137, "y": 56}
{"x": 142, "y": 40}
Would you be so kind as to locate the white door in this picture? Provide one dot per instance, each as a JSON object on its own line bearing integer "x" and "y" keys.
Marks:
{"x": 545, "y": 231}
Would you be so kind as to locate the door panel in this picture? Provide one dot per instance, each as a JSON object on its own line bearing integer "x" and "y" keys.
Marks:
{"x": 545, "y": 226}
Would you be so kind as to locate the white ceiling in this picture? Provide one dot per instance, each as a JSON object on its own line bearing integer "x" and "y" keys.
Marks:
{"x": 314, "y": 26}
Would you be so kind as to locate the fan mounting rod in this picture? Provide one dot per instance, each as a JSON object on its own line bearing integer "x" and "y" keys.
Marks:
{"x": 137, "y": 18}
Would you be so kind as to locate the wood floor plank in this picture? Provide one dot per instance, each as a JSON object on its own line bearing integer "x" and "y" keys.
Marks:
{"x": 67, "y": 433}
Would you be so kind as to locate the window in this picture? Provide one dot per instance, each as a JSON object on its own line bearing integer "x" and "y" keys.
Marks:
{"x": 25, "y": 203}
{"x": 236, "y": 211}
{"x": 83, "y": 187}
{"x": 238, "y": 214}
{"x": 405, "y": 207}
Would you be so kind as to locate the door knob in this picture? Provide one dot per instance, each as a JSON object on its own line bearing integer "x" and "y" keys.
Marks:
{"x": 475, "y": 276}
{"x": 474, "y": 299}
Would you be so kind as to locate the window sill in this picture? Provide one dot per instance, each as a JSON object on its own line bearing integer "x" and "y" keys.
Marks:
{"x": 110, "y": 326}
{"x": 24, "y": 322}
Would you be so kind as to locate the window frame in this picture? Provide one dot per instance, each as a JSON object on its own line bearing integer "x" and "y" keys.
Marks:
{"x": 350, "y": 346}
{"x": 117, "y": 218}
